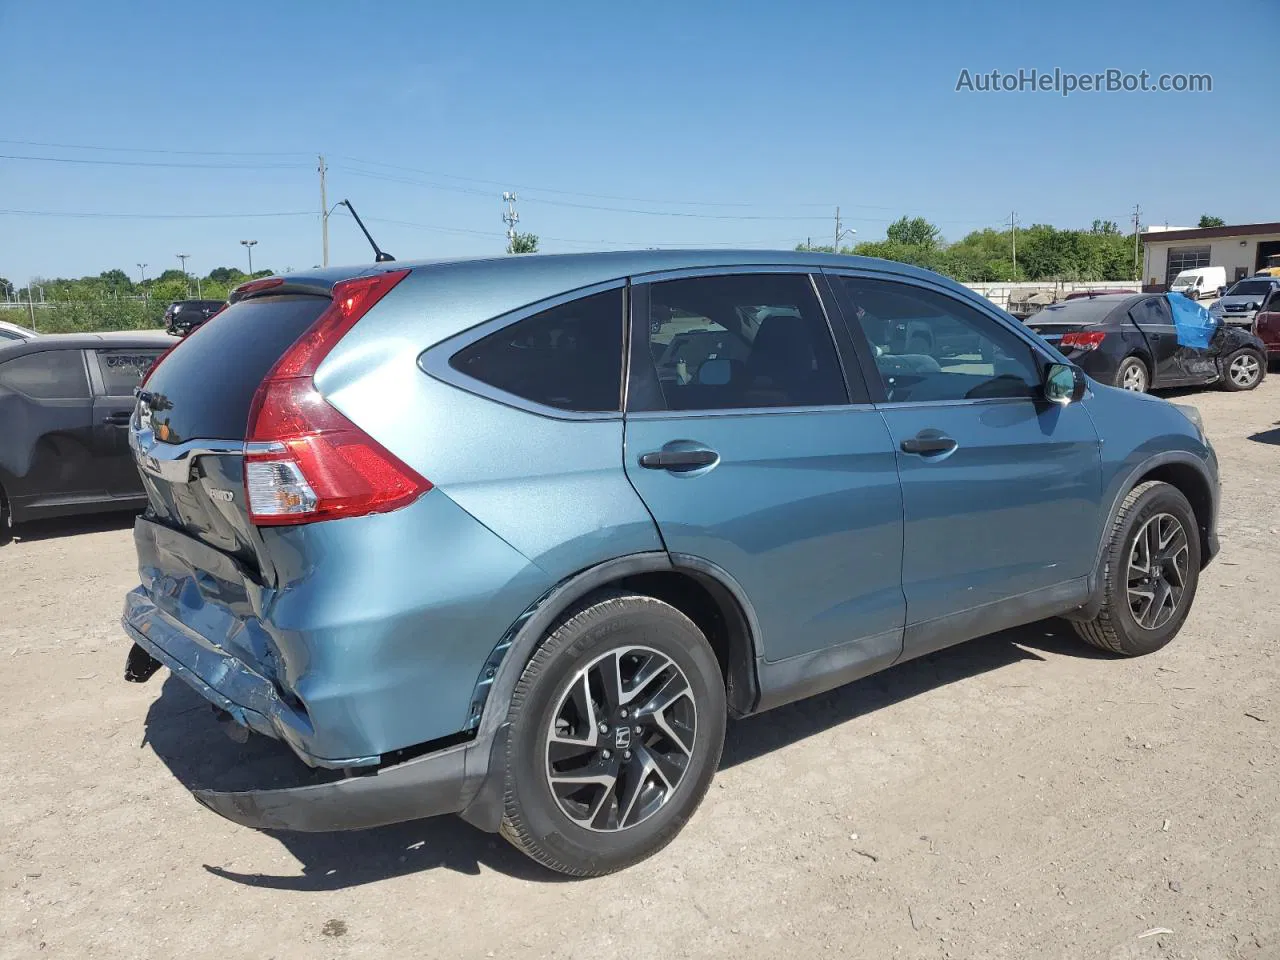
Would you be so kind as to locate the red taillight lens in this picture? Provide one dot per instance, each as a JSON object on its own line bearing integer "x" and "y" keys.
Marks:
{"x": 320, "y": 465}
{"x": 1084, "y": 341}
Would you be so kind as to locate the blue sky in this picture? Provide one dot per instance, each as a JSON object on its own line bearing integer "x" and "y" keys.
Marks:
{"x": 751, "y": 120}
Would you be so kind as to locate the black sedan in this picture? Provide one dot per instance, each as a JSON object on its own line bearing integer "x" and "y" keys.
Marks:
{"x": 65, "y": 404}
{"x": 1131, "y": 341}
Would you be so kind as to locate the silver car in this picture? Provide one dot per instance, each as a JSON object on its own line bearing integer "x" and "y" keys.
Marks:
{"x": 1240, "y": 304}
{"x": 11, "y": 331}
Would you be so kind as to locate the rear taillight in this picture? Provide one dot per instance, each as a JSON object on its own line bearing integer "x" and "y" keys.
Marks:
{"x": 309, "y": 462}
{"x": 1084, "y": 341}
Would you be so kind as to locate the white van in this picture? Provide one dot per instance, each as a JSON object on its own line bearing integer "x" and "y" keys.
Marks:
{"x": 1201, "y": 282}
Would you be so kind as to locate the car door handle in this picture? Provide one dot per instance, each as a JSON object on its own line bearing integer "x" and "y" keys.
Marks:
{"x": 928, "y": 444}
{"x": 678, "y": 459}
{"x": 118, "y": 419}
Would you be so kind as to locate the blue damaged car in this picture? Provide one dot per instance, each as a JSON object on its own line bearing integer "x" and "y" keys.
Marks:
{"x": 512, "y": 538}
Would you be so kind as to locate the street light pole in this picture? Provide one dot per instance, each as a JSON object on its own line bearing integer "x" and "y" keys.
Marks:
{"x": 183, "y": 258}
{"x": 248, "y": 245}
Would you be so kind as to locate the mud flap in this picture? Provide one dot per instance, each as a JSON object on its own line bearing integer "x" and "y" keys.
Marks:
{"x": 140, "y": 665}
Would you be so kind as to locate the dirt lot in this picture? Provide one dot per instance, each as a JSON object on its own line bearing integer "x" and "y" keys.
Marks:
{"x": 1019, "y": 796}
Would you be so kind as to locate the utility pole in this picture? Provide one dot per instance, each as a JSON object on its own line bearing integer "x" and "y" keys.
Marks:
{"x": 249, "y": 245}
{"x": 183, "y": 258}
{"x": 510, "y": 218}
{"x": 1137, "y": 222}
{"x": 31, "y": 307}
{"x": 142, "y": 282}
{"x": 324, "y": 216}
{"x": 1013, "y": 225}
{"x": 836, "y": 248}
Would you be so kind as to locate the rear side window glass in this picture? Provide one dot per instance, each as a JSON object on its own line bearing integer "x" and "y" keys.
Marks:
{"x": 204, "y": 388}
{"x": 50, "y": 375}
{"x": 1153, "y": 311}
{"x": 731, "y": 342}
{"x": 568, "y": 357}
{"x": 122, "y": 369}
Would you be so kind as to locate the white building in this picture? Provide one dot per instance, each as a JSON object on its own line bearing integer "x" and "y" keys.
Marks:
{"x": 1242, "y": 249}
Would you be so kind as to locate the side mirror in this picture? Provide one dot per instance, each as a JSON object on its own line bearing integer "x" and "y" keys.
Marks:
{"x": 1063, "y": 384}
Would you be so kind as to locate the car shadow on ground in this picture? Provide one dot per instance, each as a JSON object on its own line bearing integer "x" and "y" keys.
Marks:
{"x": 183, "y": 732}
{"x": 1271, "y": 436}
{"x": 35, "y": 530}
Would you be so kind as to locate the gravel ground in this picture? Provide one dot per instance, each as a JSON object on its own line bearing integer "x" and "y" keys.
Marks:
{"x": 1018, "y": 796}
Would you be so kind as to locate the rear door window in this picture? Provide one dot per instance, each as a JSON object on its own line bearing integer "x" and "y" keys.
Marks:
{"x": 1152, "y": 312}
{"x": 122, "y": 369}
{"x": 568, "y": 357}
{"x": 204, "y": 388}
{"x": 734, "y": 342}
{"x": 48, "y": 375}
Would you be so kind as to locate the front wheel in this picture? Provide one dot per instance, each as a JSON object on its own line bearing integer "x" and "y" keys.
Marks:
{"x": 1132, "y": 375}
{"x": 616, "y": 729}
{"x": 1152, "y": 568}
{"x": 1242, "y": 370}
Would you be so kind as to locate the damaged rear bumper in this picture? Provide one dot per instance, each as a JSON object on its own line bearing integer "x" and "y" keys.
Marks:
{"x": 425, "y": 786}
{"x": 225, "y": 680}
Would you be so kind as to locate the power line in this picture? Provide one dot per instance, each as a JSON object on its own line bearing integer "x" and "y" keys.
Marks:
{"x": 187, "y": 153}
{"x": 152, "y": 216}
{"x": 581, "y": 206}
{"x": 151, "y": 163}
{"x": 579, "y": 193}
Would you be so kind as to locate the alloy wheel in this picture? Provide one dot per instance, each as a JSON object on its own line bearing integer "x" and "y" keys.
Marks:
{"x": 621, "y": 739}
{"x": 1134, "y": 378}
{"x": 1158, "y": 569}
{"x": 1244, "y": 370}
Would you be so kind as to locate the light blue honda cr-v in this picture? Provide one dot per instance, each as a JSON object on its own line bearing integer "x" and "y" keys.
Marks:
{"x": 511, "y": 538}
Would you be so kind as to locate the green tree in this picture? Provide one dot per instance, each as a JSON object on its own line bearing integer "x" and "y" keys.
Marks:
{"x": 914, "y": 232}
{"x": 225, "y": 274}
{"x": 1208, "y": 221}
{"x": 523, "y": 243}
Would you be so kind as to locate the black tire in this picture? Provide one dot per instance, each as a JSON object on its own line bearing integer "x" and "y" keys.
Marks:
{"x": 6, "y": 519}
{"x": 1133, "y": 369}
{"x": 534, "y": 819}
{"x": 1248, "y": 376}
{"x": 1116, "y": 627}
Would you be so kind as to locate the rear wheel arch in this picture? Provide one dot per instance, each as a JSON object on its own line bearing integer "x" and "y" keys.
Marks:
{"x": 698, "y": 589}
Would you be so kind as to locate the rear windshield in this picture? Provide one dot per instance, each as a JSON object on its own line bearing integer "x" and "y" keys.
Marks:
{"x": 1082, "y": 311}
{"x": 203, "y": 389}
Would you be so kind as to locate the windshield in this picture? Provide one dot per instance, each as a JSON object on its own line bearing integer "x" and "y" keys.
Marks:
{"x": 1250, "y": 288}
